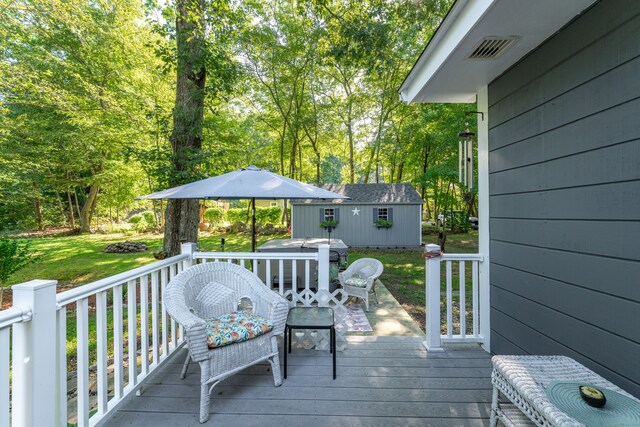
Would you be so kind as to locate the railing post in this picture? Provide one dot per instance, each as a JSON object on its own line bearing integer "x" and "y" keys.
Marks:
{"x": 323, "y": 275}
{"x": 34, "y": 355}
{"x": 188, "y": 249}
{"x": 432, "y": 292}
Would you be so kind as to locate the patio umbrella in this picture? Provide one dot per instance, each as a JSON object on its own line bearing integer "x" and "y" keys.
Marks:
{"x": 247, "y": 183}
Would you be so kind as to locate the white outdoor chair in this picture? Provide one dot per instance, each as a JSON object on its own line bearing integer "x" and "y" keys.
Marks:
{"x": 214, "y": 289}
{"x": 359, "y": 279}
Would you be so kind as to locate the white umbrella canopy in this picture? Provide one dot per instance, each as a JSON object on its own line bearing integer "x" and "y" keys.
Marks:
{"x": 247, "y": 183}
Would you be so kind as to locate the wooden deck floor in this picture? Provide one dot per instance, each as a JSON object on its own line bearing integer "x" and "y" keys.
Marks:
{"x": 382, "y": 381}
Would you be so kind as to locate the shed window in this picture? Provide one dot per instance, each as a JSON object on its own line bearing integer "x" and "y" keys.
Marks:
{"x": 382, "y": 214}
{"x": 330, "y": 214}
{"x": 274, "y": 204}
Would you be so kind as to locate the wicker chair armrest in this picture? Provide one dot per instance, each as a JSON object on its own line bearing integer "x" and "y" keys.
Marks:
{"x": 344, "y": 276}
{"x": 370, "y": 281}
{"x": 197, "y": 341}
{"x": 195, "y": 332}
{"x": 274, "y": 307}
{"x": 278, "y": 315}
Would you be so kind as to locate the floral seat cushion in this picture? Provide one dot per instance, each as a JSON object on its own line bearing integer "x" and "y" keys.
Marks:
{"x": 356, "y": 281}
{"x": 234, "y": 327}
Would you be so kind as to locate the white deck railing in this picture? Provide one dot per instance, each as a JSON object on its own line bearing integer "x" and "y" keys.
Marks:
{"x": 148, "y": 339}
{"x": 292, "y": 274}
{"x": 122, "y": 334}
{"x": 8, "y": 318}
{"x": 456, "y": 318}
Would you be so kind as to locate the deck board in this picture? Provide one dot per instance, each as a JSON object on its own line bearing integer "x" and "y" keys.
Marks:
{"x": 382, "y": 381}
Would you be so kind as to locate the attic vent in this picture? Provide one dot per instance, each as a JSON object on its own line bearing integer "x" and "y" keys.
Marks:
{"x": 492, "y": 47}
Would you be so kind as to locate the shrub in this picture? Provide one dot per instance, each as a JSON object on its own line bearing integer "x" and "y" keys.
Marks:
{"x": 143, "y": 222}
{"x": 214, "y": 215}
{"x": 270, "y": 215}
{"x": 134, "y": 219}
{"x": 149, "y": 217}
{"x": 237, "y": 215}
{"x": 13, "y": 257}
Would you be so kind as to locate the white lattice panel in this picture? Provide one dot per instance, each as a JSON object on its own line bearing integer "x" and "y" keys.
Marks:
{"x": 319, "y": 339}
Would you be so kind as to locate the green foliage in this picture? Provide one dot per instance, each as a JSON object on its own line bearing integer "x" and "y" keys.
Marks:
{"x": 214, "y": 215}
{"x": 329, "y": 223}
{"x": 456, "y": 221}
{"x": 87, "y": 94}
{"x": 135, "y": 219}
{"x": 270, "y": 215}
{"x": 238, "y": 215}
{"x": 149, "y": 217}
{"x": 143, "y": 221}
{"x": 383, "y": 223}
{"x": 14, "y": 256}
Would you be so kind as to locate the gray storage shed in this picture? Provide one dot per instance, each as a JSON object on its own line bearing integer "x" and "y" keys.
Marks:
{"x": 378, "y": 215}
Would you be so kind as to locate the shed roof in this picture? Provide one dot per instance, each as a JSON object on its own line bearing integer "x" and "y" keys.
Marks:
{"x": 369, "y": 194}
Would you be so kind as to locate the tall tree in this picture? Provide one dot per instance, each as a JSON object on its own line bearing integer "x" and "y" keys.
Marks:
{"x": 203, "y": 30}
{"x": 181, "y": 217}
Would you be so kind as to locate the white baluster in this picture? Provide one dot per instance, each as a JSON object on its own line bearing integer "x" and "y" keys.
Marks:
{"x": 132, "y": 334}
{"x": 101, "y": 338}
{"x": 82, "y": 361}
{"x": 5, "y": 334}
{"x": 172, "y": 274}
{"x": 268, "y": 273}
{"x": 281, "y": 276}
{"x": 118, "y": 356}
{"x": 164, "y": 279}
{"x": 144, "y": 324}
{"x": 463, "y": 304}
{"x": 294, "y": 275}
{"x": 154, "y": 318}
{"x": 475, "y": 287}
{"x": 61, "y": 366}
{"x": 449, "y": 301}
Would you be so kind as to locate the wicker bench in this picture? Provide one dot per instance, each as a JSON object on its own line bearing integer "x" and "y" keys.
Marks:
{"x": 523, "y": 380}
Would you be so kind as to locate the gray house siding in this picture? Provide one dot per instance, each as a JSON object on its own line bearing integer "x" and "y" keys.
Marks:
{"x": 360, "y": 230}
{"x": 564, "y": 139}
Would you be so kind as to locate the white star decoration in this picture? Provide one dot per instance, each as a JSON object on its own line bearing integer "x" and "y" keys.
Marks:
{"x": 356, "y": 211}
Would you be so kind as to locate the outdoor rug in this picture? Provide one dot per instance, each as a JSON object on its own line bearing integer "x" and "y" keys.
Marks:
{"x": 356, "y": 320}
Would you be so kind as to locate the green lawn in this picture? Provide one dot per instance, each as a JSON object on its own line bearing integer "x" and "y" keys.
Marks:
{"x": 76, "y": 260}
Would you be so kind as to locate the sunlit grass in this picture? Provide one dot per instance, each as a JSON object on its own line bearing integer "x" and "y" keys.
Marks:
{"x": 76, "y": 260}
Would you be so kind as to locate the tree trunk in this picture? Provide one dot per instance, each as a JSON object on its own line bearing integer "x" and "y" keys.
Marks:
{"x": 75, "y": 195}
{"x": 352, "y": 169}
{"x": 87, "y": 210}
{"x": 39, "y": 214}
{"x": 181, "y": 224}
{"x": 181, "y": 216}
{"x": 71, "y": 215}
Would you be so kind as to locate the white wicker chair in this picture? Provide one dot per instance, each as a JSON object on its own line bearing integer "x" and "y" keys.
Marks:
{"x": 368, "y": 269}
{"x": 195, "y": 295}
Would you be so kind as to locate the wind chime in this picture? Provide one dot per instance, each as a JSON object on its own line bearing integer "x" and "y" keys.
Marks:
{"x": 465, "y": 154}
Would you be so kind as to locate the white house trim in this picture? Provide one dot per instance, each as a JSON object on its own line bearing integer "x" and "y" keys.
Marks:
{"x": 483, "y": 216}
{"x": 443, "y": 74}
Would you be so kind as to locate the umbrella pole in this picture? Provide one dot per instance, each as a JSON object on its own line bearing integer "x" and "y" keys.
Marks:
{"x": 253, "y": 224}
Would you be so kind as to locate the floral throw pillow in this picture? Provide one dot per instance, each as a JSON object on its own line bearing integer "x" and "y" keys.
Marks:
{"x": 357, "y": 281}
{"x": 235, "y": 327}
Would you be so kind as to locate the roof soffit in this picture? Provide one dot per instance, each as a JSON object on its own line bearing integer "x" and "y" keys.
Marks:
{"x": 443, "y": 74}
